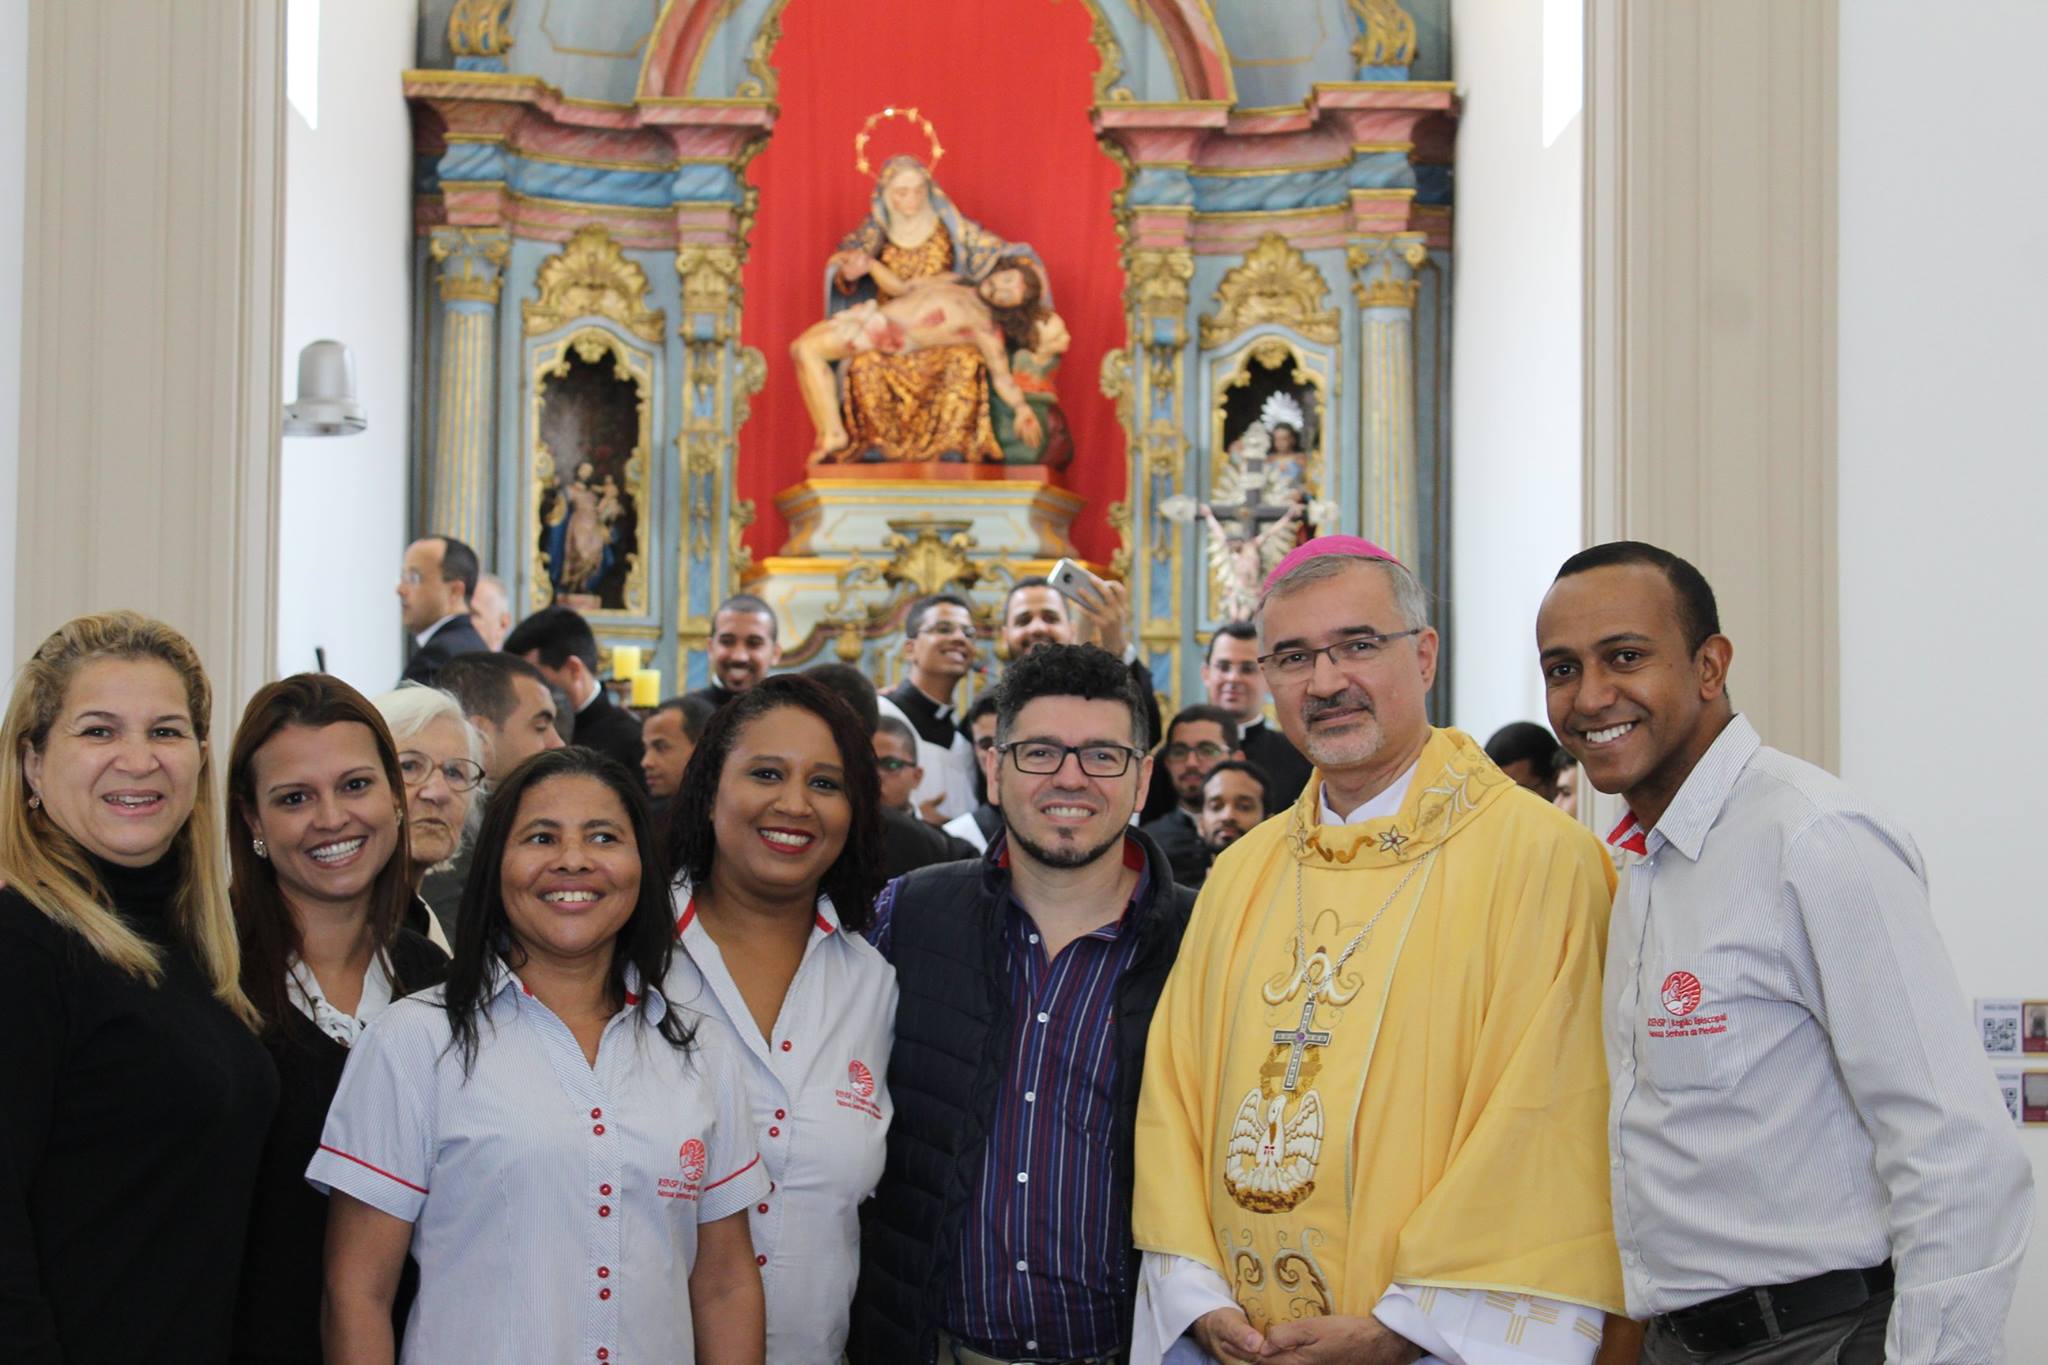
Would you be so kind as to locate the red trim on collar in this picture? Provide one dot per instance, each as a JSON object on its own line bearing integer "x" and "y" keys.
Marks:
{"x": 824, "y": 924}
{"x": 631, "y": 1000}
{"x": 689, "y": 913}
{"x": 1630, "y": 836}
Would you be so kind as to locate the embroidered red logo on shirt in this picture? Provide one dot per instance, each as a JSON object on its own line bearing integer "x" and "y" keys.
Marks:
{"x": 1681, "y": 994}
{"x": 691, "y": 1157}
{"x": 860, "y": 1091}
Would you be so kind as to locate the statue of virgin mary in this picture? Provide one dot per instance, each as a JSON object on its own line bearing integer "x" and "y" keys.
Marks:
{"x": 934, "y": 403}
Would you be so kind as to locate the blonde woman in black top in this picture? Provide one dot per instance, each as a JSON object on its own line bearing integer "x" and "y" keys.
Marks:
{"x": 321, "y": 884}
{"x": 134, "y": 1097}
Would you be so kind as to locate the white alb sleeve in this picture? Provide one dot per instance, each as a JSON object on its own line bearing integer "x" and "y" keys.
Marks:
{"x": 1173, "y": 1291}
{"x": 1479, "y": 1327}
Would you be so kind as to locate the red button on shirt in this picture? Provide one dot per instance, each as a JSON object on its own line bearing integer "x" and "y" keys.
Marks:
{"x": 604, "y": 1293}
{"x": 760, "y": 1260}
{"x": 604, "y": 1210}
{"x": 604, "y": 1189}
{"x": 597, "y": 1113}
{"x": 785, "y": 1045}
{"x": 597, "y": 1128}
{"x": 763, "y": 1208}
{"x": 774, "y": 1131}
{"x": 603, "y": 1354}
{"x": 779, "y": 1114}
{"x": 604, "y": 1272}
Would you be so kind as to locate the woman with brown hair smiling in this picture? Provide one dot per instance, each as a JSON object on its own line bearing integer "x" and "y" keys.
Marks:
{"x": 777, "y": 837}
{"x": 568, "y": 1158}
{"x": 320, "y": 886}
{"x": 134, "y": 1096}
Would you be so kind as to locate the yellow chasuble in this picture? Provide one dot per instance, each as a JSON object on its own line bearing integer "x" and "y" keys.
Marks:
{"x": 1409, "y": 1087}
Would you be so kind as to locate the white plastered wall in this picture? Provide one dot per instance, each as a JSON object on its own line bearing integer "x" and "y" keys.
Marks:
{"x": 1943, "y": 480}
{"x": 1515, "y": 376}
{"x": 348, "y": 264}
{"x": 13, "y": 192}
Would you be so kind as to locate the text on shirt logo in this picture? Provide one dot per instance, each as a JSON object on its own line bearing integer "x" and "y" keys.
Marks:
{"x": 859, "y": 1095}
{"x": 691, "y": 1157}
{"x": 1681, "y": 994}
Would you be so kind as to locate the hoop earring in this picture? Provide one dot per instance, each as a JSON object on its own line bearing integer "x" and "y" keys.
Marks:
{"x": 262, "y": 850}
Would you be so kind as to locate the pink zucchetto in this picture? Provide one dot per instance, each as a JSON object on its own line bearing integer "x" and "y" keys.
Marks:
{"x": 1354, "y": 546}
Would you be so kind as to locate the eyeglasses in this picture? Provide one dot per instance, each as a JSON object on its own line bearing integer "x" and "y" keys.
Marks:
{"x": 894, "y": 765}
{"x": 1208, "y": 748}
{"x": 1041, "y": 758}
{"x": 943, "y": 629}
{"x": 461, "y": 774}
{"x": 1295, "y": 665}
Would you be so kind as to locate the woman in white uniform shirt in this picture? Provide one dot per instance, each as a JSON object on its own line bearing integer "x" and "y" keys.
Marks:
{"x": 776, "y": 837}
{"x": 562, "y": 1152}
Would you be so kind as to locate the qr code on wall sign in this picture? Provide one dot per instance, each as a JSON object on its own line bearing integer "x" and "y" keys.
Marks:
{"x": 2002, "y": 1034}
{"x": 2011, "y": 1090}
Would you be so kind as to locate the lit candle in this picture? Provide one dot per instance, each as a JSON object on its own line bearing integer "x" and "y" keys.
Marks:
{"x": 625, "y": 660}
{"x": 646, "y": 688}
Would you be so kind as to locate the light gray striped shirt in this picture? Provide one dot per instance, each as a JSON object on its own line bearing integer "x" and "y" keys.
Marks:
{"x": 1797, "y": 1088}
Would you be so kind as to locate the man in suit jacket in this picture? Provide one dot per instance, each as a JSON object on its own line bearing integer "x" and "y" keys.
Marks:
{"x": 434, "y": 589}
{"x": 560, "y": 644}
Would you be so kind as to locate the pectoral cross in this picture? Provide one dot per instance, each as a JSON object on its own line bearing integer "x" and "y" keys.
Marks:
{"x": 1300, "y": 1038}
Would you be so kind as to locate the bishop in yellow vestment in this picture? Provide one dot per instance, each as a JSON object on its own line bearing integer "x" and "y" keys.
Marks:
{"x": 1374, "y": 1085}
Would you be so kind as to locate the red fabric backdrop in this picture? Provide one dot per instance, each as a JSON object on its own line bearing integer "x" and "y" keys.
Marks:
{"x": 1007, "y": 84}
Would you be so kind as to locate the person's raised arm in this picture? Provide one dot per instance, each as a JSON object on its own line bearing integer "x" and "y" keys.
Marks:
{"x": 366, "y": 1250}
{"x": 726, "y": 1304}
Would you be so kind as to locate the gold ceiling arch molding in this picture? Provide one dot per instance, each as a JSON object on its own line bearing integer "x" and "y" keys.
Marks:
{"x": 1275, "y": 284}
{"x": 591, "y": 277}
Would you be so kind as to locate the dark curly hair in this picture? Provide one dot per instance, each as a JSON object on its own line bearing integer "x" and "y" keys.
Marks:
{"x": 856, "y": 874}
{"x": 483, "y": 931}
{"x": 1070, "y": 671}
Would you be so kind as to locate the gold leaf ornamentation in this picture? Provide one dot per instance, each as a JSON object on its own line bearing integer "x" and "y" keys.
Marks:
{"x": 933, "y": 559}
{"x": 591, "y": 277}
{"x": 1385, "y": 267}
{"x": 1388, "y": 38}
{"x": 480, "y": 28}
{"x": 1275, "y": 284}
{"x": 472, "y": 262}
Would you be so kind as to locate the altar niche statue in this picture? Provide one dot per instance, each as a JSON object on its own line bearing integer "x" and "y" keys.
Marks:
{"x": 931, "y": 400}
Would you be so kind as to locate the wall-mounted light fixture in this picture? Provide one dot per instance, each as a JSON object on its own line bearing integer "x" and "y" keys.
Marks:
{"x": 327, "y": 404}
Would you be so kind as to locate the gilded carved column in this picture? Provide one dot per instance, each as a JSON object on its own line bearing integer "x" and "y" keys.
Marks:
{"x": 470, "y": 272}
{"x": 1383, "y": 270}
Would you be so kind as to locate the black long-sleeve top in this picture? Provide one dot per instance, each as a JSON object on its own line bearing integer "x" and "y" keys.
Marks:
{"x": 277, "y": 1319}
{"x": 131, "y": 1120}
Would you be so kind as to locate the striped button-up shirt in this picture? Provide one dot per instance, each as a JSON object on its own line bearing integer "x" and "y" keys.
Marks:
{"x": 1797, "y": 1088}
{"x": 1040, "y": 1270}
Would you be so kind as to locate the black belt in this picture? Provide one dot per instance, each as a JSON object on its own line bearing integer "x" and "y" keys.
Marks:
{"x": 1750, "y": 1317}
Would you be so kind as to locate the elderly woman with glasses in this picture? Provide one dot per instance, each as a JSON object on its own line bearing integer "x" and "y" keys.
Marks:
{"x": 440, "y": 759}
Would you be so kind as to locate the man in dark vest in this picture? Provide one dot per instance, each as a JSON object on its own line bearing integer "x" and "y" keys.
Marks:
{"x": 1002, "y": 1226}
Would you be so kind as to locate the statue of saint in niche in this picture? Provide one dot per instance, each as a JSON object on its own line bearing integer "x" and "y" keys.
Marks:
{"x": 589, "y": 520}
{"x": 947, "y": 337}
